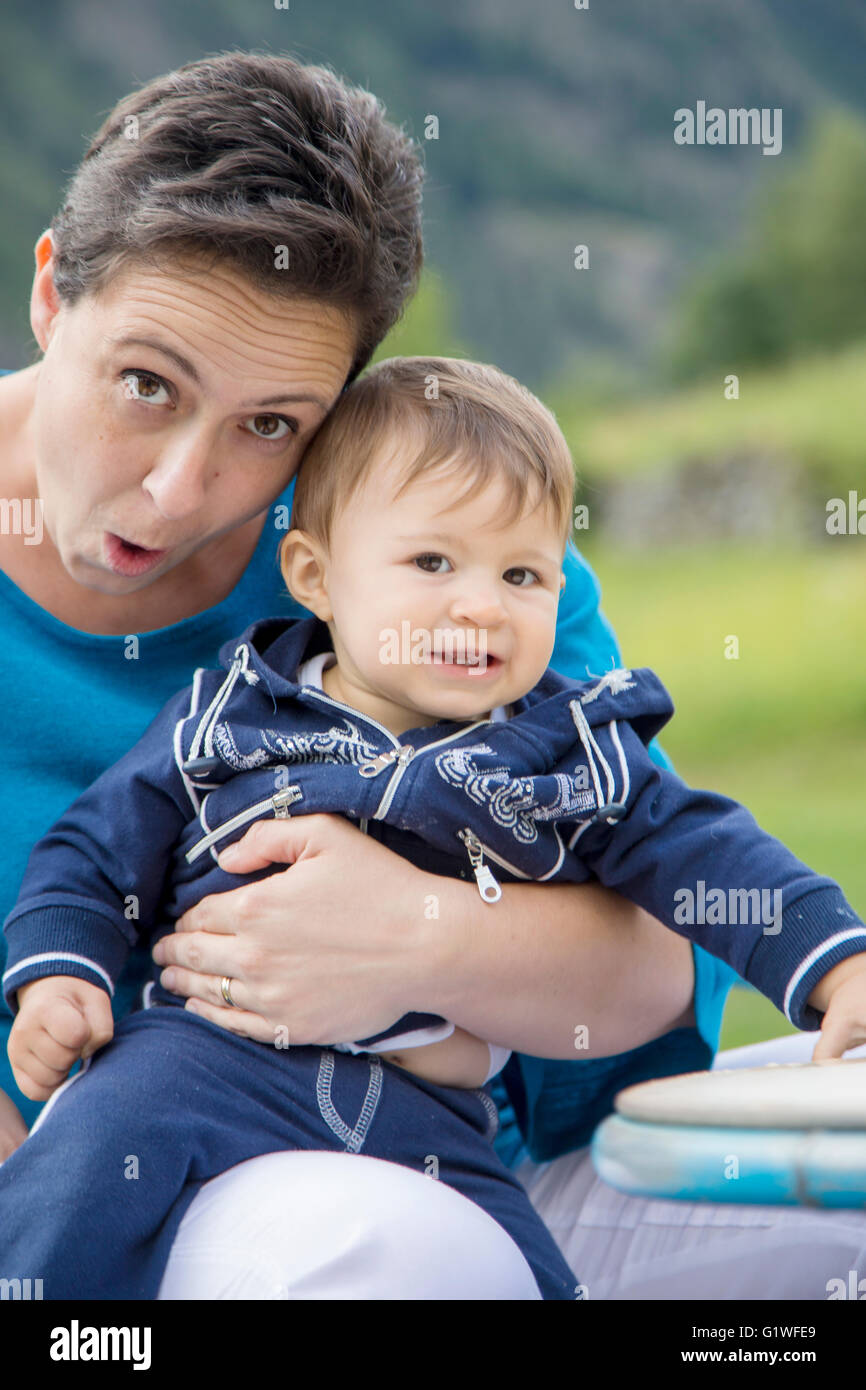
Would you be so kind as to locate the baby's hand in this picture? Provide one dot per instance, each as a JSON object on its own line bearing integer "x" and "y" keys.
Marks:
{"x": 59, "y": 1019}
{"x": 844, "y": 1024}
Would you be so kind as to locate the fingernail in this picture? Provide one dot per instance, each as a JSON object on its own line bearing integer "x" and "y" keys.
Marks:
{"x": 228, "y": 853}
{"x": 166, "y": 979}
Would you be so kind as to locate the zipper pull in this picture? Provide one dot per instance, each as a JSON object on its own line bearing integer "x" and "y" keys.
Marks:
{"x": 487, "y": 885}
{"x": 281, "y": 801}
{"x": 375, "y": 765}
{"x": 201, "y": 767}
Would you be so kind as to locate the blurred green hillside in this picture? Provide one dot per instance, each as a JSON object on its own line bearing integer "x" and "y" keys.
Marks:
{"x": 812, "y": 410}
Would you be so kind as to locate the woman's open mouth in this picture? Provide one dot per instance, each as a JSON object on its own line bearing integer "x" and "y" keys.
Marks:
{"x": 128, "y": 559}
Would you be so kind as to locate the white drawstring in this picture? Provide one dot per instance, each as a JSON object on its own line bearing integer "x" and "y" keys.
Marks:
{"x": 615, "y": 681}
{"x": 213, "y": 709}
{"x": 590, "y": 746}
{"x": 623, "y": 761}
{"x": 251, "y": 677}
{"x": 240, "y": 666}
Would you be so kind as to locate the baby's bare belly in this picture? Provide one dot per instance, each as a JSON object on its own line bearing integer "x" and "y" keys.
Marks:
{"x": 461, "y": 1060}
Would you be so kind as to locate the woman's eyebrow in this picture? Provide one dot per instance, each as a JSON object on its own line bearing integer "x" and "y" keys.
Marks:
{"x": 189, "y": 370}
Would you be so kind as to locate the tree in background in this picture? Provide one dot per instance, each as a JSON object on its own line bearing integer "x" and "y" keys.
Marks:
{"x": 427, "y": 328}
{"x": 799, "y": 285}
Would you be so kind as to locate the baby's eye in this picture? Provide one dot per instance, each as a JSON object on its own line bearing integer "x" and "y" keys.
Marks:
{"x": 432, "y": 564}
{"x": 144, "y": 386}
{"x": 270, "y": 426}
{"x": 521, "y": 578}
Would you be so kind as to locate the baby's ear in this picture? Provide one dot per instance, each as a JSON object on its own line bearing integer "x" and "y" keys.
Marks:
{"x": 304, "y": 567}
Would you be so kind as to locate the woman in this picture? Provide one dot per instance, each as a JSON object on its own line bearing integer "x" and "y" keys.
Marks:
{"x": 239, "y": 237}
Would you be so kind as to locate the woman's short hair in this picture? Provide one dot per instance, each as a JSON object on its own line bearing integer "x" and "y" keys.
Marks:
{"x": 438, "y": 413}
{"x": 280, "y": 169}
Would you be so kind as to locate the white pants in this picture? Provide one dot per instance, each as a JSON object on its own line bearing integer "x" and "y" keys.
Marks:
{"x": 344, "y": 1226}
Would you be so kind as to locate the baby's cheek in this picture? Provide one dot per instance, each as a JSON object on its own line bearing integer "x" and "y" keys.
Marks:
{"x": 537, "y": 650}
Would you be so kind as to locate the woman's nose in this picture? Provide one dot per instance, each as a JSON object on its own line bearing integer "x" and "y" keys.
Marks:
{"x": 176, "y": 483}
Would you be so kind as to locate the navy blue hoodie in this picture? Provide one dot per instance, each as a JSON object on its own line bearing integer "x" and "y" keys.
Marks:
{"x": 564, "y": 790}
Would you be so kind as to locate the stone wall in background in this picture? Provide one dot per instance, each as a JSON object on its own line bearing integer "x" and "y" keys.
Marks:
{"x": 732, "y": 497}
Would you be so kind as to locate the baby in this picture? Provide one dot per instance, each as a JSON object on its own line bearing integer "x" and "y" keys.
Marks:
{"x": 430, "y": 522}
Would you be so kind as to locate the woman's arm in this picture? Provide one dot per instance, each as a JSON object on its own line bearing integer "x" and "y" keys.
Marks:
{"x": 354, "y": 936}
{"x": 579, "y": 972}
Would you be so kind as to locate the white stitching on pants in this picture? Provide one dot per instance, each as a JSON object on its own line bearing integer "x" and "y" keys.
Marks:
{"x": 352, "y": 1138}
{"x": 492, "y": 1113}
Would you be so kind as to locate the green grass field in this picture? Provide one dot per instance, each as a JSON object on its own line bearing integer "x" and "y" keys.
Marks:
{"x": 783, "y": 727}
{"x": 812, "y": 409}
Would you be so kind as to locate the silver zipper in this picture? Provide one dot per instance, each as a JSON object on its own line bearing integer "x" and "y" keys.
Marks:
{"x": 487, "y": 885}
{"x": 497, "y": 858}
{"x": 279, "y": 803}
{"x": 403, "y": 758}
{"x": 283, "y": 800}
{"x": 399, "y": 753}
{"x": 404, "y": 755}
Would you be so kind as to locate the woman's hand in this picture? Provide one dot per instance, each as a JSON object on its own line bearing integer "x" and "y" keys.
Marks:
{"x": 352, "y": 937}
{"x": 13, "y": 1130}
{"x": 326, "y": 952}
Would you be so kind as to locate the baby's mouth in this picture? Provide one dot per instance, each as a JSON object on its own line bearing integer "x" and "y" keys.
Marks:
{"x": 476, "y": 664}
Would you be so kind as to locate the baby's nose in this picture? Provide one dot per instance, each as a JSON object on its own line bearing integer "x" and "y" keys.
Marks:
{"x": 481, "y": 607}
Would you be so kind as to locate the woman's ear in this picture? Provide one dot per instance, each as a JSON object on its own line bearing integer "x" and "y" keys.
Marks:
{"x": 44, "y": 300}
{"x": 304, "y": 565}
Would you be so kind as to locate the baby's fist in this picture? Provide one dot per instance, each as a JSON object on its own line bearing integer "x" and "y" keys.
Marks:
{"x": 60, "y": 1019}
{"x": 844, "y": 1023}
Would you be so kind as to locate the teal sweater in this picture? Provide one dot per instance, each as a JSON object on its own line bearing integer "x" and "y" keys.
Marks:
{"x": 73, "y": 703}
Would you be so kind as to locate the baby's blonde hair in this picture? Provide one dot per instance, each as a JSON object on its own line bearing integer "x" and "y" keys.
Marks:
{"x": 449, "y": 411}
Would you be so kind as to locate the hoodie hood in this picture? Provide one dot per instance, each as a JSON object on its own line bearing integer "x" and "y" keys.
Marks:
{"x": 273, "y": 649}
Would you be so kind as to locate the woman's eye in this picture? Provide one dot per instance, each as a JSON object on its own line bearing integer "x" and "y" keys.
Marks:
{"x": 432, "y": 564}
{"x": 143, "y": 386}
{"x": 521, "y": 578}
{"x": 270, "y": 426}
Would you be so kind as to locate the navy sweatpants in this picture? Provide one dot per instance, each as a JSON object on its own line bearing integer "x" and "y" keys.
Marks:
{"x": 92, "y": 1202}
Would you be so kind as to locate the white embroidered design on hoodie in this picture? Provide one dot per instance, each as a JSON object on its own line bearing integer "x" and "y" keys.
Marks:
{"x": 512, "y": 802}
{"x": 335, "y": 745}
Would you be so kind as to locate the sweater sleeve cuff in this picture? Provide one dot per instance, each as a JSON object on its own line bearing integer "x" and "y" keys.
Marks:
{"x": 816, "y": 932}
{"x": 60, "y": 939}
